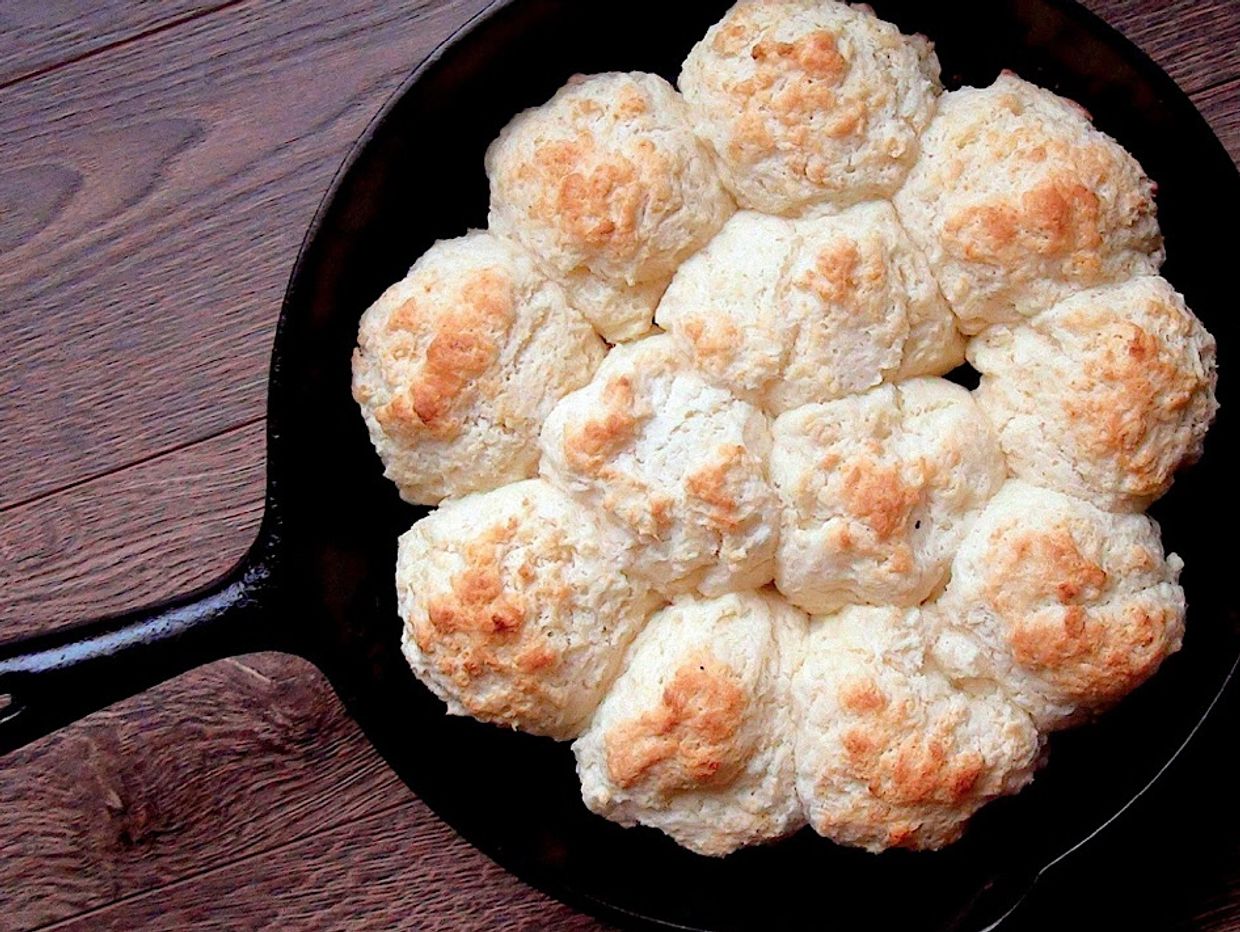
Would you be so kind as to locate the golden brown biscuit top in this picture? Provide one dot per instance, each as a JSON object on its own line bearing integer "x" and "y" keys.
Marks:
{"x": 689, "y": 740}
{"x": 464, "y": 345}
{"x": 478, "y": 626}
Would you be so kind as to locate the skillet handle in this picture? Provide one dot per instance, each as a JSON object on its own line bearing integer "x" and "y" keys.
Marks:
{"x": 50, "y": 680}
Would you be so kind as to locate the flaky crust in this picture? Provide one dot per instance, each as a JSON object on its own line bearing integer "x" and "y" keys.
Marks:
{"x": 877, "y": 491}
{"x": 785, "y": 313}
{"x": 695, "y": 736}
{"x": 458, "y": 364}
{"x": 888, "y": 753}
{"x": 515, "y": 609}
{"x": 1066, "y": 607}
{"x": 608, "y": 186}
{"x": 677, "y": 464}
{"x": 810, "y": 105}
{"x": 1105, "y": 396}
{"x": 1018, "y": 201}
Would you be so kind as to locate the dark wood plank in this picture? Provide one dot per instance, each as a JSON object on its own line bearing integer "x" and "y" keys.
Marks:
{"x": 141, "y": 535}
{"x": 37, "y": 35}
{"x": 399, "y": 868}
{"x": 1221, "y": 106}
{"x": 1195, "y": 41}
{"x": 225, "y": 762}
{"x": 135, "y": 335}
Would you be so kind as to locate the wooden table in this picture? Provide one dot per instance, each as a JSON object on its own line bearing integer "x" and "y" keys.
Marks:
{"x": 159, "y": 163}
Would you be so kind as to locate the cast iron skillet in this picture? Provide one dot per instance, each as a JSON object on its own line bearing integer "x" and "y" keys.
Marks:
{"x": 318, "y": 581}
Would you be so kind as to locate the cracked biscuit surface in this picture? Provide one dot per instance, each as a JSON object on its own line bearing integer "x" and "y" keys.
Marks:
{"x": 459, "y": 362}
{"x": 809, "y": 105}
{"x": 888, "y": 752}
{"x": 1064, "y": 606}
{"x": 877, "y": 490}
{"x": 695, "y": 736}
{"x": 1018, "y": 201}
{"x": 1104, "y": 396}
{"x": 515, "y": 611}
{"x": 608, "y": 187}
{"x": 674, "y": 462}
{"x": 786, "y": 313}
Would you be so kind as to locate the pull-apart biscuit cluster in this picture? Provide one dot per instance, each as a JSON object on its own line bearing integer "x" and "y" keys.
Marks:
{"x": 708, "y": 508}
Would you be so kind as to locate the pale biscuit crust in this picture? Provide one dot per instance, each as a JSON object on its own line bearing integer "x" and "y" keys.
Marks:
{"x": 458, "y": 364}
{"x": 786, "y": 313}
{"x": 1105, "y": 396}
{"x": 677, "y": 464}
{"x": 877, "y": 492}
{"x": 888, "y": 753}
{"x": 608, "y": 187}
{"x": 810, "y": 105}
{"x": 695, "y": 737}
{"x": 1017, "y": 202}
{"x": 725, "y": 307}
{"x": 515, "y": 609}
{"x": 1066, "y": 607}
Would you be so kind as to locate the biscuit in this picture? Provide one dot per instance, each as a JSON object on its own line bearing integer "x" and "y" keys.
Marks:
{"x": 785, "y": 313}
{"x": 877, "y": 491}
{"x": 514, "y": 607}
{"x": 1105, "y": 396}
{"x": 677, "y": 464}
{"x": 1067, "y": 607}
{"x": 1018, "y": 201}
{"x": 458, "y": 364}
{"x": 810, "y": 104}
{"x": 888, "y": 753}
{"x": 607, "y": 185}
{"x": 695, "y": 737}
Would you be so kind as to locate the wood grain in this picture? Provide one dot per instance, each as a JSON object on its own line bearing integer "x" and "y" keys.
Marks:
{"x": 1194, "y": 41}
{"x": 224, "y": 762}
{"x": 230, "y": 127}
{"x": 242, "y": 769}
{"x": 1221, "y": 106}
{"x": 140, "y": 535}
{"x": 454, "y": 887}
{"x": 38, "y": 35}
{"x": 128, "y": 801}
{"x": 152, "y": 196}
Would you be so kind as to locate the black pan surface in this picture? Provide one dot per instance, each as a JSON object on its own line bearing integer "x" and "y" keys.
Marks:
{"x": 319, "y": 580}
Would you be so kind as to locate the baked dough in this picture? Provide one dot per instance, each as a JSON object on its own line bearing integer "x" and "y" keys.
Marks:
{"x": 888, "y": 753}
{"x": 975, "y": 563}
{"x": 810, "y": 105}
{"x": 676, "y": 463}
{"x": 458, "y": 364}
{"x": 608, "y": 187}
{"x": 1018, "y": 201}
{"x": 877, "y": 491}
{"x": 785, "y": 313}
{"x": 695, "y": 738}
{"x": 515, "y": 610}
{"x": 1064, "y": 606}
{"x": 1104, "y": 396}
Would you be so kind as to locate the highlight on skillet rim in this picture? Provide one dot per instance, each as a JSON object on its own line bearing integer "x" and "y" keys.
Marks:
{"x": 762, "y": 563}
